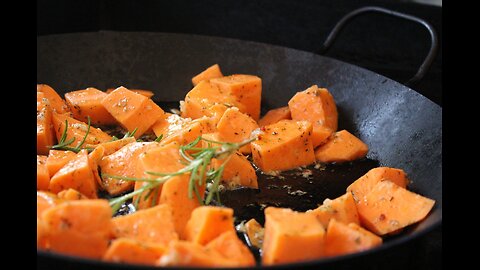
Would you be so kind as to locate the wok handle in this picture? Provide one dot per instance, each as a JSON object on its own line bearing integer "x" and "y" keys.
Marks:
{"x": 422, "y": 70}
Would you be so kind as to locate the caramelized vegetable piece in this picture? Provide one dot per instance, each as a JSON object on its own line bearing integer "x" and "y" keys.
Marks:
{"x": 232, "y": 248}
{"x": 88, "y": 102}
{"x": 291, "y": 237}
{"x": 283, "y": 145}
{"x": 76, "y": 174}
{"x": 208, "y": 222}
{"x": 57, "y": 159}
{"x": 275, "y": 115}
{"x": 317, "y": 106}
{"x": 363, "y": 185}
{"x": 122, "y": 163}
{"x": 183, "y": 253}
{"x": 126, "y": 250}
{"x": 56, "y": 101}
{"x": 132, "y": 110}
{"x": 255, "y": 233}
{"x": 146, "y": 93}
{"x": 210, "y": 73}
{"x": 343, "y": 209}
{"x": 341, "y": 147}
{"x": 235, "y": 126}
{"x": 45, "y": 133}
{"x": 77, "y": 129}
{"x": 343, "y": 239}
{"x": 43, "y": 177}
{"x": 46, "y": 200}
{"x": 388, "y": 208}
{"x": 246, "y": 89}
{"x": 71, "y": 195}
{"x": 79, "y": 228}
{"x": 181, "y": 130}
{"x": 153, "y": 225}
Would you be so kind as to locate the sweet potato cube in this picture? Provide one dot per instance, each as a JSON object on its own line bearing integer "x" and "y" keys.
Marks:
{"x": 45, "y": 133}
{"x": 388, "y": 208}
{"x": 363, "y": 185}
{"x": 317, "y": 106}
{"x": 46, "y": 200}
{"x": 275, "y": 115}
{"x": 76, "y": 174}
{"x": 341, "y": 147}
{"x": 88, "y": 102}
{"x": 122, "y": 163}
{"x": 341, "y": 239}
{"x": 283, "y": 145}
{"x": 79, "y": 228}
{"x": 126, "y": 250}
{"x": 57, "y": 103}
{"x": 255, "y": 232}
{"x": 71, "y": 195}
{"x": 132, "y": 110}
{"x": 208, "y": 222}
{"x": 43, "y": 177}
{"x": 181, "y": 130}
{"x": 153, "y": 225}
{"x": 235, "y": 126}
{"x": 247, "y": 90}
{"x": 343, "y": 209}
{"x": 211, "y": 72}
{"x": 291, "y": 236}
{"x": 232, "y": 248}
{"x": 113, "y": 146}
{"x": 77, "y": 129}
{"x": 57, "y": 159}
{"x": 143, "y": 92}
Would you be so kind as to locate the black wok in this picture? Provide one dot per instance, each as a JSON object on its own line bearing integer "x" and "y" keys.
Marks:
{"x": 402, "y": 128}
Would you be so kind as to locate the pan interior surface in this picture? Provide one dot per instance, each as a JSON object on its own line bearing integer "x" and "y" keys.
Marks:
{"x": 402, "y": 128}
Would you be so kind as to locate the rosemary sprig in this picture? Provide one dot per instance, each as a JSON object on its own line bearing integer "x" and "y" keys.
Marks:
{"x": 196, "y": 160}
{"x": 65, "y": 145}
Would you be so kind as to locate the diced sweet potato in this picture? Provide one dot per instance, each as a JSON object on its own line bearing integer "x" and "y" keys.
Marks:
{"x": 43, "y": 177}
{"x": 317, "y": 106}
{"x": 255, "y": 233}
{"x": 122, "y": 163}
{"x": 208, "y": 222}
{"x": 341, "y": 147}
{"x": 79, "y": 228}
{"x": 77, "y": 129}
{"x": 343, "y": 209}
{"x": 283, "y": 145}
{"x": 247, "y": 90}
{"x": 343, "y": 239}
{"x": 76, "y": 174}
{"x": 46, "y": 200}
{"x": 363, "y": 185}
{"x": 57, "y": 159}
{"x": 153, "y": 225}
{"x": 88, "y": 102}
{"x": 275, "y": 115}
{"x": 132, "y": 110}
{"x": 232, "y": 248}
{"x": 56, "y": 101}
{"x": 181, "y": 130}
{"x": 45, "y": 133}
{"x": 71, "y": 195}
{"x": 113, "y": 146}
{"x": 183, "y": 253}
{"x": 388, "y": 208}
{"x": 143, "y": 92}
{"x": 126, "y": 250}
{"x": 291, "y": 236}
{"x": 42, "y": 234}
{"x": 211, "y": 72}
{"x": 235, "y": 126}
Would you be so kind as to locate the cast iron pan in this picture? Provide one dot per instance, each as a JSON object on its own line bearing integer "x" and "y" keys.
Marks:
{"x": 402, "y": 128}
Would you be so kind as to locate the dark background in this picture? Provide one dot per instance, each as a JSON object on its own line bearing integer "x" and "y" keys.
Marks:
{"x": 389, "y": 46}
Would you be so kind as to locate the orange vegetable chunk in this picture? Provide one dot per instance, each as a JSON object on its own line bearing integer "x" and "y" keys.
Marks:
{"x": 88, "y": 102}
{"x": 255, "y": 232}
{"x": 126, "y": 250}
{"x": 57, "y": 159}
{"x": 153, "y": 225}
{"x": 46, "y": 200}
{"x": 43, "y": 177}
{"x": 76, "y": 174}
{"x": 235, "y": 126}
{"x": 132, "y": 110}
{"x": 388, "y": 208}
{"x": 341, "y": 147}
{"x": 246, "y": 89}
{"x": 283, "y": 145}
{"x": 143, "y": 92}
{"x": 317, "y": 106}
{"x": 45, "y": 133}
{"x": 181, "y": 130}
{"x": 291, "y": 236}
{"x": 71, "y": 194}
{"x": 343, "y": 239}
{"x": 343, "y": 209}
{"x": 208, "y": 222}
{"x": 56, "y": 101}
{"x": 232, "y": 248}
{"x": 211, "y": 72}
{"x": 275, "y": 115}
